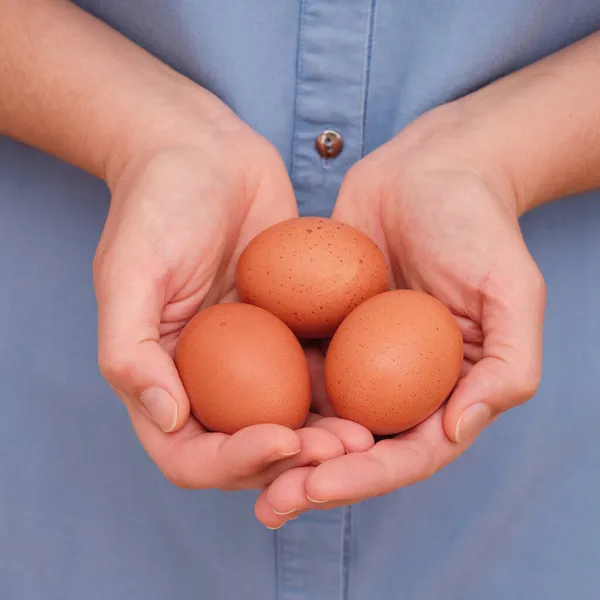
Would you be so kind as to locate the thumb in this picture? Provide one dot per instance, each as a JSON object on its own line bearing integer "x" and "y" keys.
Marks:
{"x": 130, "y": 356}
{"x": 358, "y": 203}
{"x": 510, "y": 370}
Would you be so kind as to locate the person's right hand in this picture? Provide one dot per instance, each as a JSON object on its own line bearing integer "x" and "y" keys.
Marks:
{"x": 182, "y": 210}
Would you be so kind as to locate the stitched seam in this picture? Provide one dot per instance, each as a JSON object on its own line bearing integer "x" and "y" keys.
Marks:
{"x": 346, "y": 531}
{"x": 278, "y": 577}
{"x": 367, "y": 72}
{"x": 299, "y": 68}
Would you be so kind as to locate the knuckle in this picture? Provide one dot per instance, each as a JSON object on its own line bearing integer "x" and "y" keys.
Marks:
{"x": 236, "y": 486}
{"x": 426, "y": 456}
{"x": 538, "y": 284}
{"x": 387, "y": 474}
{"x": 114, "y": 365}
{"x": 177, "y": 477}
{"x": 528, "y": 383}
{"x": 99, "y": 265}
{"x": 183, "y": 479}
{"x": 191, "y": 472}
{"x": 175, "y": 465}
{"x": 533, "y": 282}
{"x": 525, "y": 382}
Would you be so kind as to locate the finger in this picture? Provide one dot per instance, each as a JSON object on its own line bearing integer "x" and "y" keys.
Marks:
{"x": 389, "y": 465}
{"x": 316, "y": 365}
{"x": 353, "y": 436}
{"x": 130, "y": 300}
{"x": 290, "y": 486}
{"x": 317, "y": 445}
{"x": 473, "y": 352}
{"x": 510, "y": 370}
{"x": 466, "y": 367}
{"x": 354, "y": 204}
{"x": 191, "y": 458}
{"x": 287, "y": 490}
{"x": 286, "y": 498}
{"x": 470, "y": 331}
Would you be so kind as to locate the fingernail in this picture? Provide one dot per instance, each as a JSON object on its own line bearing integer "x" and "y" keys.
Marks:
{"x": 316, "y": 501}
{"x": 286, "y": 454}
{"x": 161, "y": 407}
{"x": 280, "y": 526}
{"x": 288, "y": 512}
{"x": 472, "y": 422}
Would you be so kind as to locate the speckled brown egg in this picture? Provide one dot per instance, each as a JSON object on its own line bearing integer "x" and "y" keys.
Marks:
{"x": 242, "y": 366}
{"x": 311, "y": 272}
{"x": 393, "y": 361}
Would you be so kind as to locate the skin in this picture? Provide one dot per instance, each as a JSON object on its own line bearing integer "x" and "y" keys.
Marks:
{"x": 442, "y": 199}
{"x": 163, "y": 142}
{"x": 204, "y": 208}
{"x": 190, "y": 185}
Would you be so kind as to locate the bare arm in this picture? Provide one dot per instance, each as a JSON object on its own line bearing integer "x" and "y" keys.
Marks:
{"x": 75, "y": 88}
{"x": 442, "y": 200}
{"x": 540, "y": 125}
{"x": 191, "y": 185}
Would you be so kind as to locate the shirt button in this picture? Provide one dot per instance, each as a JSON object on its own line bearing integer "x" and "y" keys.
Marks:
{"x": 329, "y": 144}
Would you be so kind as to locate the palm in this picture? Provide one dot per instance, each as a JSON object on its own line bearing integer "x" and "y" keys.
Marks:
{"x": 176, "y": 227}
{"x": 201, "y": 250}
{"x": 435, "y": 241}
{"x": 448, "y": 234}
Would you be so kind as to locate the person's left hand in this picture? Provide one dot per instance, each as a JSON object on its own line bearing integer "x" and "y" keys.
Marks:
{"x": 448, "y": 224}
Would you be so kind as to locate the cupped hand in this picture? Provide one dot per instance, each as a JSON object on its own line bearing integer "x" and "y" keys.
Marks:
{"x": 448, "y": 224}
{"x": 182, "y": 210}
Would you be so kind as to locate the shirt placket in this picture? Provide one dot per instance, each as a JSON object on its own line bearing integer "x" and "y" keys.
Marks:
{"x": 331, "y": 87}
{"x": 331, "y": 94}
{"x": 313, "y": 556}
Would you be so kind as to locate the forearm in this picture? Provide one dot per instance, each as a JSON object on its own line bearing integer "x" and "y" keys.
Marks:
{"x": 540, "y": 125}
{"x": 75, "y": 88}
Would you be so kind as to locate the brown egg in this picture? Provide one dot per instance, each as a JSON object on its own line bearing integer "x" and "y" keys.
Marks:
{"x": 393, "y": 361}
{"x": 311, "y": 272}
{"x": 242, "y": 366}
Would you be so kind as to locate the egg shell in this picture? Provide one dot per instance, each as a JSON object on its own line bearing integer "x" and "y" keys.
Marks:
{"x": 242, "y": 366}
{"x": 311, "y": 272}
{"x": 393, "y": 361}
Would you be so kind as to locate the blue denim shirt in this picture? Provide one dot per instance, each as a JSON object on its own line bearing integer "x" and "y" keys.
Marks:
{"x": 84, "y": 515}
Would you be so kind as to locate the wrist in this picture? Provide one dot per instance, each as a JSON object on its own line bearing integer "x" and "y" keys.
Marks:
{"x": 448, "y": 139}
{"x": 538, "y": 126}
{"x": 182, "y": 114}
